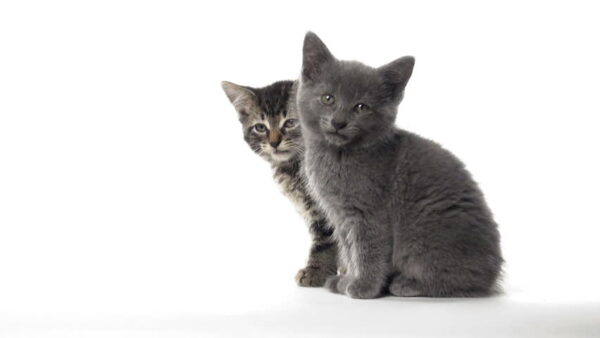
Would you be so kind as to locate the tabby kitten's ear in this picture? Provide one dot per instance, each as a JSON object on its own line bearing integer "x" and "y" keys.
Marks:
{"x": 315, "y": 56}
{"x": 242, "y": 98}
{"x": 396, "y": 74}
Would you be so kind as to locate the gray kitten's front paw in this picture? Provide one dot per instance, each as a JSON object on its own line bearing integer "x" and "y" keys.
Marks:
{"x": 311, "y": 276}
{"x": 363, "y": 289}
{"x": 404, "y": 287}
{"x": 332, "y": 282}
{"x": 338, "y": 284}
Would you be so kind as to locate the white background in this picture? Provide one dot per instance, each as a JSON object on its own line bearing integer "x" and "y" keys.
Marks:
{"x": 130, "y": 204}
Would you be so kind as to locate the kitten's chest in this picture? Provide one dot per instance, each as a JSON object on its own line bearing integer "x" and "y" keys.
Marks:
{"x": 339, "y": 181}
{"x": 293, "y": 187}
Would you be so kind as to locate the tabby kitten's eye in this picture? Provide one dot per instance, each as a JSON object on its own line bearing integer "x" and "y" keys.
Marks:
{"x": 327, "y": 99}
{"x": 260, "y": 128}
{"x": 291, "y": 123}
{"x": 361, "y": 108}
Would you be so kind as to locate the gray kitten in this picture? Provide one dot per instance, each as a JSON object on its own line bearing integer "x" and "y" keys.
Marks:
{"x": 408, "y": 217}
{"x": 271, "y": 129}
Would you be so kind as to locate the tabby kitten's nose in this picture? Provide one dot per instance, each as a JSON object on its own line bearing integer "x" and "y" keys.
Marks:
{"x": 338, "y": 124}
{"x": 275, "y": 143}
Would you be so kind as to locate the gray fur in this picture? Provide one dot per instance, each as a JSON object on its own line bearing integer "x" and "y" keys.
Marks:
{"x": 283, "y": 148}
{"x": 408, "y": 217}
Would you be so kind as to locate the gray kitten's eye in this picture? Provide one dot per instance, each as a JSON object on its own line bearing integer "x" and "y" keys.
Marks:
{"x": 361, "y": 108}
{"x": 327, "y": 99}
{"x": 291, "y": 123}
{"x": 259, "y": 127}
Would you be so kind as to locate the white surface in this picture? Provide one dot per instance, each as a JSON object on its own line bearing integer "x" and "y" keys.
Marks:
{"x": 129, "y": 203}
{"x": 315, "y": 312}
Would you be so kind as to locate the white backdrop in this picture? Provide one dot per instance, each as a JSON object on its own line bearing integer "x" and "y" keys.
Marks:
{"x": 126, "y": 188}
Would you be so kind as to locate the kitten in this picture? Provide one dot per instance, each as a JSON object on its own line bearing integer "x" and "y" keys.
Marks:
{"x": 408, "y": 217}
{"x": 271, "y": 129}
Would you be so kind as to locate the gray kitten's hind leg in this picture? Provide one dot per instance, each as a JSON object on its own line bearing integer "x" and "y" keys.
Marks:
{"x": 459, "y": 281}
{"x": 407, "y": 287}
{"x": 322, "y": 260}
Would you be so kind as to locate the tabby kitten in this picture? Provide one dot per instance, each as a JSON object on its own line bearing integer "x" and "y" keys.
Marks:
{"x": 271, "y": 129}
{"x": 408, "y": 217}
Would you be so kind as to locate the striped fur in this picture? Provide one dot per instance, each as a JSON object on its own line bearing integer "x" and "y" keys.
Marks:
{"x": 280, "y": 143}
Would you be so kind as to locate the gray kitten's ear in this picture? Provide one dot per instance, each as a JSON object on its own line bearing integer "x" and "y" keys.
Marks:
{"x": 242, "y": 98}
{"x": 315, "y": 55}
{"x": 397, "y": 73}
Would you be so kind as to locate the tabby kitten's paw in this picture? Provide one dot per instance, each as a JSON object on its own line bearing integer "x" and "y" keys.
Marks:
{"x": 311, "y": 276}
{"x": 363, "y": 289}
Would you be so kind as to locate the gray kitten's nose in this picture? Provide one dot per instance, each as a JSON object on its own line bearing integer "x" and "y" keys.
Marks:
{"x": 338, "y": 124}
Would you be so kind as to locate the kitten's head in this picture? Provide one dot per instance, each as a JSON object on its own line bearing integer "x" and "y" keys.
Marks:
{"x": 268, "y": 117}
{"x": 346, "y": 103}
